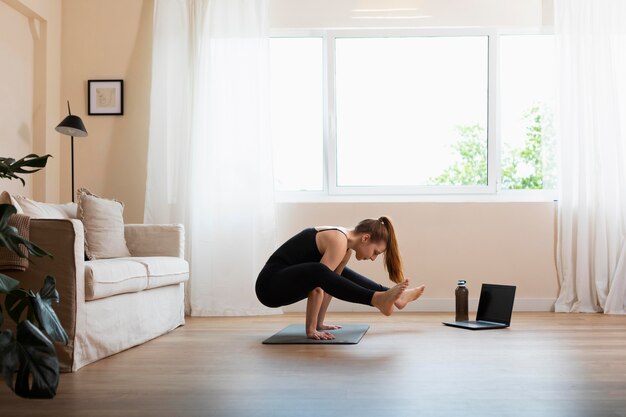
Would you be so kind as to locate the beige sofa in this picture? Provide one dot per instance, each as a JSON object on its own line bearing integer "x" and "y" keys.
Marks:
{"x": 108, "y": 305}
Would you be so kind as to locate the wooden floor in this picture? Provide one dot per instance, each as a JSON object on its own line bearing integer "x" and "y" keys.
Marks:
{"x": 409, "y": 364}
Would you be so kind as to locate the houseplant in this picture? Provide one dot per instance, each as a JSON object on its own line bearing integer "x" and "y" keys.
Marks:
{"x": 28, "y": 360}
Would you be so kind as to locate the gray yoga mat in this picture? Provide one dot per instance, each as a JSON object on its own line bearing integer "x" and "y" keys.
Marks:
{"x": 294, "y": 334}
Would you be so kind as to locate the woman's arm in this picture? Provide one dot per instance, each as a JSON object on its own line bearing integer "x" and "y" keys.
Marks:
{"x": 312, "y": 307}
{"x": 333, "y": 246}
{"x": 328, "y": 298}
{"x": 344, "y": 262}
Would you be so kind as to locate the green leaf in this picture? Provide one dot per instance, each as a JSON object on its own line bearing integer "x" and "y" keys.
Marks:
{"x": 45, "y": 314}
{"x": 31, "y": 161}
{"x": 7, "y": 284}
{"x": 16, "y": 302}
{"x": 38, "y": 373}
{"x": 9, "y": 166}
{"x": 9, "y": 357}
{"x": 6, "y": 211}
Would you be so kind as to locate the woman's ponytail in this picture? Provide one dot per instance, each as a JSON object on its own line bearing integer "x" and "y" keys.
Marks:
{"x": 382, "y": 230}
{"x": 393, "y": 261}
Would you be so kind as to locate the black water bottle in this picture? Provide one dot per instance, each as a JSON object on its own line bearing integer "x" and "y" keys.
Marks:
{"x": 461, "y": 294}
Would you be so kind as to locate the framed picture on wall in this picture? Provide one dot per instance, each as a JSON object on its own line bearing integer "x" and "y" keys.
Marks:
{"x": 106, "y": 97}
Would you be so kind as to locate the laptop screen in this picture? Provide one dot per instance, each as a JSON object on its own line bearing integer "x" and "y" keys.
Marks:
{"x": 496, "y": 303}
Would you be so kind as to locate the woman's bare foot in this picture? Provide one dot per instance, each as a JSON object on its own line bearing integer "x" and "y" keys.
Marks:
{"x": 328, "y": 327}
{"x": 409, "y": 295}
{"x": 384, "y": 300}
{"x": 320, "y": 335}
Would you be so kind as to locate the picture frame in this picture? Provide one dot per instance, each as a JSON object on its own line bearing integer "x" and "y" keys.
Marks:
{"x": 105, "y": 97}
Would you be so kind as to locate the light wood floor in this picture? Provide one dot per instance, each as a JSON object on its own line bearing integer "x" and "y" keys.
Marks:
{"x": 409, "y": 364}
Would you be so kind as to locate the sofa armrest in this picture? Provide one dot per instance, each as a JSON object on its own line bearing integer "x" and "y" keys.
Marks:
{"x": 65, "y": 240}
{"x": 155, "y": 239}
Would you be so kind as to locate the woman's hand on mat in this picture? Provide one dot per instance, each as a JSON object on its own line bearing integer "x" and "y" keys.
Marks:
{"x": 329, "y": 327}
{"x": 320, "y": 335}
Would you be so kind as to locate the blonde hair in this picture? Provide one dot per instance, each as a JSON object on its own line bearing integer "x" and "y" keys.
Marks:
{"x": 381, "y": 230}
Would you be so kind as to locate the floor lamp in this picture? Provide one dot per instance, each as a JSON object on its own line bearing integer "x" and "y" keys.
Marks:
{"x": 72, "y": 126}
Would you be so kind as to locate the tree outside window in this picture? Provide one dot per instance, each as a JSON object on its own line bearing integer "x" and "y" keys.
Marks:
{"x": 530, "y": 167}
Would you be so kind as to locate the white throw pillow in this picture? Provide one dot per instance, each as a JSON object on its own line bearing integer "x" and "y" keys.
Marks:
{"x": 6, "y": 198}
{"x": 104, "y": 226}
{"x": 37, "y": 210}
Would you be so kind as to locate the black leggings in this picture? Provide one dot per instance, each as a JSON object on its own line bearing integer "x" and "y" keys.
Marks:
{"x": 279, "y": 286}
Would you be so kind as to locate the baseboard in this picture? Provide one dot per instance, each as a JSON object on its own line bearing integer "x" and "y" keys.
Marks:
{"x": 430, "y": 304}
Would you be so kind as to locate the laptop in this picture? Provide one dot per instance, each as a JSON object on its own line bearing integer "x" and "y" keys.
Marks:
{"x": 495, "y": 307}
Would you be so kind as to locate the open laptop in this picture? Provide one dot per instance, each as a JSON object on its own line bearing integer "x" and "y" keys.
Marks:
{"x": 495, "y": 307}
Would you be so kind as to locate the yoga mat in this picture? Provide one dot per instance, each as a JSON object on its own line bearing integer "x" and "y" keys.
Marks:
{"x": 294, "y": 334}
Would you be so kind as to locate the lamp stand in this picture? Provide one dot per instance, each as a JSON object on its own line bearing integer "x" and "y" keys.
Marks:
{"x": 72, "y": 169}
{"x": 72, "y": 126}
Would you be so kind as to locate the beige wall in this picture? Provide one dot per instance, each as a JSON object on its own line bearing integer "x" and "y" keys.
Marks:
{"x": 109, "y": 39}
{"x": 482, "y": 242}
{"x": 101, "y": 39}
{"x": 499, "y": 243}
{"x": 30, "y": 49}
{"x": 16, "y": 124}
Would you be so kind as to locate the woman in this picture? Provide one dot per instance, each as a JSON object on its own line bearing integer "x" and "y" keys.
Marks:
{"x": 312, "y": 265}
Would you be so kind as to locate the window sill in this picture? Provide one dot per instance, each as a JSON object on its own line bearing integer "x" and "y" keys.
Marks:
{"x": 508, "y": 196}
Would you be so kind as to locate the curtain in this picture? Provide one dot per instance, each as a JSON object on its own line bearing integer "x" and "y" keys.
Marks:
{"x": 209, "y": 158}
{"x": 591, "y": 248}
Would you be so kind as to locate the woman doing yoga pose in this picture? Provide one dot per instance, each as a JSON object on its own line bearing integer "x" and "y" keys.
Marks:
{"x": 312, "y": 265}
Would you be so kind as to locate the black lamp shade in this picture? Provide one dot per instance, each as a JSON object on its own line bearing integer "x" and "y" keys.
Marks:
{"x": 72, "y": 126}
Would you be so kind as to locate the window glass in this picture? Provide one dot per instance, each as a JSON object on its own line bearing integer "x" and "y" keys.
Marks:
{"x": 412, "y": 111}
{"x": 527, "y": 103}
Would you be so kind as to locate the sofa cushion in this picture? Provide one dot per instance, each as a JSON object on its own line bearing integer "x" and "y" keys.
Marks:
{"x": 163, "y": 270}
{"x": 104, "y": 226}
{"x": 6, "y": 198}
{"x": 37, "y": 210}
{"x": 107, "y": 277}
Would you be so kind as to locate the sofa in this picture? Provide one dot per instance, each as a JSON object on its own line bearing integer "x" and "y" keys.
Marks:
{"x": 108, "y": 305}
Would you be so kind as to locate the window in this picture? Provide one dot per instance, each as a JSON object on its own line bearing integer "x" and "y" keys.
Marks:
{"x": 412, "y": 113}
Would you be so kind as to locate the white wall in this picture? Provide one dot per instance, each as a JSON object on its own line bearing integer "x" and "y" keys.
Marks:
{"x": 409, "y": 13}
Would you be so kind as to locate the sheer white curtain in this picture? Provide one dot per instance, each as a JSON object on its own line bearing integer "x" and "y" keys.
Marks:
{"x": 209, "y": 159}
{"x": 591, "y": 251}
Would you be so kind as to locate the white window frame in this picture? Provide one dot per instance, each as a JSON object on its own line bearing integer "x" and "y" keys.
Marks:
{"x": 492, "y": 192}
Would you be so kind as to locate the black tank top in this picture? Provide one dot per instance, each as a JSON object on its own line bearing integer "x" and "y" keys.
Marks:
{"x": 299, "y": 249}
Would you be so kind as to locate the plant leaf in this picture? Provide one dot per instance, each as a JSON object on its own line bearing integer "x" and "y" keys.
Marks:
{"x": 6, "y": 211}
{"x": 5, "y": 169}
{"x": 9, "y": 166}
{"x": 31, "y": 161}
{"x": 16, "y": 302}
{"x": 38, "y": 374}
{"x": 9, "y": 357}
{"x": 7, "y": 284}
{"x": 46, "y": 316}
